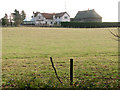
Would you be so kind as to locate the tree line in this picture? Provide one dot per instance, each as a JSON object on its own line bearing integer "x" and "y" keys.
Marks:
{"x": 15, "y": 19}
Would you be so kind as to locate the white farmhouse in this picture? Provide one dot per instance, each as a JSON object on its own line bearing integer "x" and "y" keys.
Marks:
{"x": 50, "y": 19}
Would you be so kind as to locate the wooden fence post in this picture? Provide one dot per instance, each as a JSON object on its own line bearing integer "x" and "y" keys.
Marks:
{"x": 71, "y": 71}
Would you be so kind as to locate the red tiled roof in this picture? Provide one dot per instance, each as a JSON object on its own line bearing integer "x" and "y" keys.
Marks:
{"x": 48, "y": 15}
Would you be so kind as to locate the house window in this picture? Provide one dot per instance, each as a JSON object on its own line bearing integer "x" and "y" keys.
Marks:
{"x": 65, "y": 17}
{"x": 55, "y": 17}
{"x": 58, "y": 17}
{"x": 55, "y": 23}
{"x": 46, "y": 22}
{"x": 58, "y": 22}
{"x": 39, "y": 17}
{"x": 51, "y": 22}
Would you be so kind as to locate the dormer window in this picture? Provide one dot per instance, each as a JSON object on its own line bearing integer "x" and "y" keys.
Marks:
{"x": 66, "y": 17}
{"x": 39, "y": 17}
{"x": 58, "y": 17}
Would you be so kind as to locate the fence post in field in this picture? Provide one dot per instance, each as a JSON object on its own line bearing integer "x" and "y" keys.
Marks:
{"x": 71, "y": 71}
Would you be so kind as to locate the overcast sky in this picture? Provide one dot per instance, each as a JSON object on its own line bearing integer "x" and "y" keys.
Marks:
{"x": 108, "y": 9}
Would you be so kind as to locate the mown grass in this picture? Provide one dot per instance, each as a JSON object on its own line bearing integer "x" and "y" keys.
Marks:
{"x": 26, "y": 52}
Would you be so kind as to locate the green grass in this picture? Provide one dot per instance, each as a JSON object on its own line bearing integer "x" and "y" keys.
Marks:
{"x": 26, "y": 52}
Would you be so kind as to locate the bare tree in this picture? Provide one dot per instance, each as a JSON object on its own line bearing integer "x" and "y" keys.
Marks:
{"x": 116, "y": 35}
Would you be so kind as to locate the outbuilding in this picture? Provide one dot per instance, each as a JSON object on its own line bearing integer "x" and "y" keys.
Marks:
{"x": 28, "y": 21}
{"x": 88, "y": 16}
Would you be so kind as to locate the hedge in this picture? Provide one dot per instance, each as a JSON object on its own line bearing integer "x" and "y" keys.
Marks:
{"x": 89, "y": 24}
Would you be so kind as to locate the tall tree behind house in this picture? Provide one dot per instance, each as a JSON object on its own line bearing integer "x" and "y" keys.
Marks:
{"x": 18, "y": 17}
{"x": 5, "y": 20}
{"x": 23, "y": 14}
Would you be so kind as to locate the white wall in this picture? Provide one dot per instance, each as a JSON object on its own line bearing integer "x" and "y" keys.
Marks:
{"x": 38, "y": 20}
{"x": 63, "y": 19}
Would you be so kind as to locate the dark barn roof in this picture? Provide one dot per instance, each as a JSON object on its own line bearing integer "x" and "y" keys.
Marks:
{"x": 60, "y": 14}
{"x": 87, "y": 14}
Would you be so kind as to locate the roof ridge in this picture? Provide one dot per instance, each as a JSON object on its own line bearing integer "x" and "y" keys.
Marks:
{"x": 87, "y": 10}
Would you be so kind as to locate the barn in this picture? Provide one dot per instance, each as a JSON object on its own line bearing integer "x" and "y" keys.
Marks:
{"x": 88, "y": 16}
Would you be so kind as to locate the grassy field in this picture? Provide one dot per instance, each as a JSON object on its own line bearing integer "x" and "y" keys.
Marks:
{"x": 26, "y": 52}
